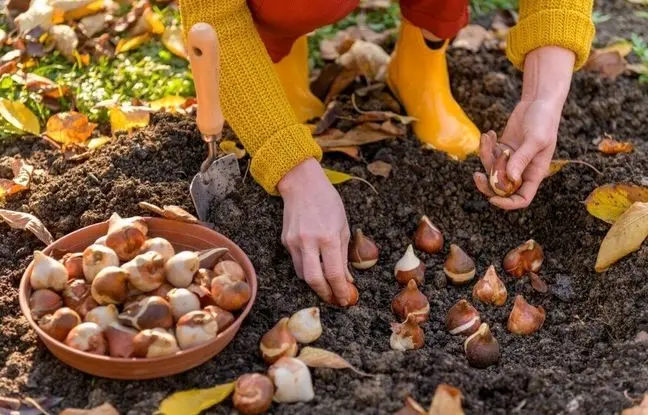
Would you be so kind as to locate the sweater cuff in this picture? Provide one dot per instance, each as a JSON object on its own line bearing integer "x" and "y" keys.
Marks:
{"x": 280, "y": 153}
{"x": 569, "y": 29}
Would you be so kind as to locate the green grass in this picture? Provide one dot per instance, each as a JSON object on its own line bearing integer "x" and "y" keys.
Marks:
{"x": 598, "y": 17}
{"x": 640, "y": 48}
{"x": 484, "y": 7}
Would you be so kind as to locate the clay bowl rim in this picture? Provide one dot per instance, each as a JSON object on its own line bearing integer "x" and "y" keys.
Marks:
{"x": 232, "y": 329}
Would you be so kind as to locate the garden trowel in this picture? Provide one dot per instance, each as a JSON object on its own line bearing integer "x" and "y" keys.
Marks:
{"x": 218, "y": 175}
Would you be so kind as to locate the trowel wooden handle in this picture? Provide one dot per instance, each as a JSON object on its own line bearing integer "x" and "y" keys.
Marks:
{"x": 205, "y": 65}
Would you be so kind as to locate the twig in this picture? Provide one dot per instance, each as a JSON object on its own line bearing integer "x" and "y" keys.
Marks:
{"x": 586, "y": 164}
{"x": 355, "y": 105}
{"x": 365, "y": 182}
{"x": 247, "y": 169}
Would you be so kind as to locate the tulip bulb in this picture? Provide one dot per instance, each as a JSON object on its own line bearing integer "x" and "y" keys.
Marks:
{"x": 180, "y": 269}
{"x": 121, "y": 340}
{"x": 77, "y": 296}
{"x": 353, "y": 296}
{"x": 253, "y": 394}
{"x": 182, "y": 302}
{"x": 292, "y": 380}
{"x": 223, "y": 317}
{"x": 523, "y": 259}
{"x": 59, "y": 324}
{"x": 278, "y": 342}
{"x": 196, "y": 328}
{"x": 305, "y": 325}
{"x": 411, "y": 408}
{"x": 462, "y": 318}
{"x": 428, "y": 238}
{"x": 525, "y": 319}
{"x": 407, "y": 335}
{"x": 148, "y": 313}
{"x": 73, "y": 263}
{"x": 145, "y": 271}
{"x": 43, "y": 302}
{"x": 161, "y": 291}
{"x": 229, "y": 293}
{"x": 481, "y": 348}
{"x": 363, "y": 252}
{"x": 490, "y": 289}
{"x": 498, "y": 178}
{"x": 96, "y": 258}
{"x": 110, "y": 286}
{"x": 446, "y": 400}
{"x": 459, "y": 267}
{"x": 152, "y": 343}
{"x": 103, "y": 315}
{"x": 230, "y": 267}
{"x": 87, "y": 337}
{"x": 411, "y": 301}
{"x": 409, "y": 267}
{"x": 47, "y": 273}
{"x": 126, "y": 236}
{"x": 537, "y": 283}
{"x": 159, "y": 245}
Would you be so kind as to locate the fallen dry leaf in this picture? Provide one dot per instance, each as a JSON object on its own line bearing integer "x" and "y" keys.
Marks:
{"x": 375, "y": 4}
{"x": 91, "y": 25}
{"x": 84, "y": 9}
{"x": 446, "y": 401}
{"x": 623, "y": 47}
{"x": 21, "y": 220}
{"x": 172, "y": 40}
{"x": 194, "y": 401}
{"x": 557, "y": 165}
{"x": 105, "y": 409}
{"x": 411, "y": 408}
{"x": 44, "y": 86}
{"x": 22, "y": 172}
{"x": 624, "y": 237}
{"x": 69, "y": 128}
{"x": 333, "y": 110}
{"x": 171, "y": 103}
{"x": 154, "y": 21}
{"x": 321, "y": 85}
{"x": 97, "y": 142}
{"x": 40, "y": 13}
{"x": 28, "y": 406}
{"x": 65, "y": 39}
{"x": 169, "y": 212}
{"x": 314, "y": 357}
{"x": 471, "y": 37}
{"x": 611, "y": 146}
{"x": 8, "y": 68}
{"x": 338, "y": 177}
{"x": 609, "y": 64}
{"x": 351, "y": 151}
{"x": 641, "y": 409}
{"x": 127, "y": 118}
{"x": 231, "y": 147}
{"x": 130, "y": 18}
{"x": 537, "y": 283}
{"x": 610, "y": 201}
{"x": 19, "y": 116}
{"x": 340, "y": 83}
{"x": 126, "y": 44}
{"x": 367, "y": 59}
{"x": 362, "y": 134}
{"x": 331, "y": 49}
{"x": 379, "y": 168}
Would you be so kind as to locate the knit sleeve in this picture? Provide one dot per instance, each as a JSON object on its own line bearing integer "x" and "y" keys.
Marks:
{"x": 564, "y": 23}
{"x": 252, "y": 98}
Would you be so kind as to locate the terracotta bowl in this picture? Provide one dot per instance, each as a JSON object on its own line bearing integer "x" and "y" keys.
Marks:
{"x": 183, "y": 236}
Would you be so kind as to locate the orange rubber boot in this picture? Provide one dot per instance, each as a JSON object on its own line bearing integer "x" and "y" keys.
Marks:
{"x": 418, "y": 75}
{"x": 293, "y": 75}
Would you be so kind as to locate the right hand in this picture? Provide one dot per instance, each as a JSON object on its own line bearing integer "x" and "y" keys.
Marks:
{"x": 314, "y": 225}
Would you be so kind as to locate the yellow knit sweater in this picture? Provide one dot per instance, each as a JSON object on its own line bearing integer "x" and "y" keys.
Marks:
{"x": 257, "y": 109}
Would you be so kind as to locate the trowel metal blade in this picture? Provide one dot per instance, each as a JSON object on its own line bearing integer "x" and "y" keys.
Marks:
{"x": 212, "y": 186}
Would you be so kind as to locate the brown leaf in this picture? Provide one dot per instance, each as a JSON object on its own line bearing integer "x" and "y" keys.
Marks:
{"x": 69, "y": 128}
{"x": 91, "y": 25}
{"x": 100, "y": 46}
{"x": 65, "y": 39}
{"x": 322, "y": 83}
{"x": 367, "y": 59}
{"x": 314, "y": 357}
{"x": 170, "y": 212}
{"x": 21, "y": 220}
{"x": 611, "y": 146}
{"x": 330, "y": 49}
{"x": 609, "y": 201}
{"x": 340, "y": 83}
{"x": 105, "y": 409}
{"x": 446, "y": 401}
{"x": 8, "y": 68}
{"x": 333, "y": 109}
{"x": 641, "y": 409}
{"x": 624, "y": 237}
{"x": 44, "y": 86}
{"x": 379, "y": 168}
{"x": 351, "y": 151}
{"x": 173, "y": 41}
{"x": 359, "y": 135}
{"x": 609, "y": 64}
{"x": 471, "y": 37}
{"x": 22, "y": 172}
{"x": 130, "y": 18}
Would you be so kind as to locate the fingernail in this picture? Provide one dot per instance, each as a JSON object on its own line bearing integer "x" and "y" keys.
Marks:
{"x": 344, "y": 302}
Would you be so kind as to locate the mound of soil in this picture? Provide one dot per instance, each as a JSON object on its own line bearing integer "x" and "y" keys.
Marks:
{"x": 584, "y": 360}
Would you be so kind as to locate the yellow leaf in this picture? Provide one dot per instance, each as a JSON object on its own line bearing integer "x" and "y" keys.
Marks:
{"x": 194, "y": 401}
{"x": 556, "y": 165}
{"x": 230, "y": 147}
{"x": 172, "y": 40}
{"x": 154, "y": 21}
{"x": 86, "y": 10}
{"x": 315, "y": 357}
{"x": 19, "y": 116}
{"x": 337, "y": 177}
{"x": 624, "y": 237}
{"x": 622, "y": 47}
{"x": 97, "y": 142}
{"x": 127, "y": 118}
{"x": 69, "y": 128}
{"x": 170, "y": 103}
{"x": 609, "y": 201}
{"x": 132, "y": 43}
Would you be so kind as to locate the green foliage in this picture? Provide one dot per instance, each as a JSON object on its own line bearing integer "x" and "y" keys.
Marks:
{"x": 484, "y": 7}
{"x": 640, "y": 48}
{"x": 598, "y": 17}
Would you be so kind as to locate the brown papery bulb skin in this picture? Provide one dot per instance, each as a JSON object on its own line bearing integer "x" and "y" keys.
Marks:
{"x": 407, "y": 335}
{"x": 463, "y": 318}
{"x": 229, "y": 293}
{"x": 409, "y": 267}
{"x": 459, "y": 267}
{"x": 527, "y": 257}
{"x": 229, "y": 267}
{"x": 44, "y": 301}
{"x": 490, "y": 289}
{"x": 126, "y": 236}
{"x": 278, "y": 342}
{"x": 77, "y": 296}
{"x": 411, "y": 301}
{"x": 481, "y": 348}
{"x": 59, "y": 324}
{"x": 498, "y": 178}
{"x": 537, "y": 283}
{"x": 253, "y": 394}
{"x": 525, "y": 319}
{"x": 363, "y": 252}
{"x": 73, "y": 262}
{"x": 428, "y": 238}
{"x": 223, "y": 317}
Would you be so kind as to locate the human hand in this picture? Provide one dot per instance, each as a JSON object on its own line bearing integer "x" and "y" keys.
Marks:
{"x": 314, "y": 225}
{"x": 532, "y": 129}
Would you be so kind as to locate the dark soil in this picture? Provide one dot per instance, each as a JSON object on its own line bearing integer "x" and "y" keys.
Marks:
{"x": 584, "y": 360}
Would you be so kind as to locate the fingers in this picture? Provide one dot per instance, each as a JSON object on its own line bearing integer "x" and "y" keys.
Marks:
{"x": 334, "y": 271}
{"x": 313, "y": 275}
{"x": 519, "y": 200}
{"x": 481, "y": 181}
{"x": 521, "y": 158}
{"x": 487, "y": 145}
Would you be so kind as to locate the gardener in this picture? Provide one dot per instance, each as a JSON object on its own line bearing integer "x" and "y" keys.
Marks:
{"x": 266, "y": 106}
